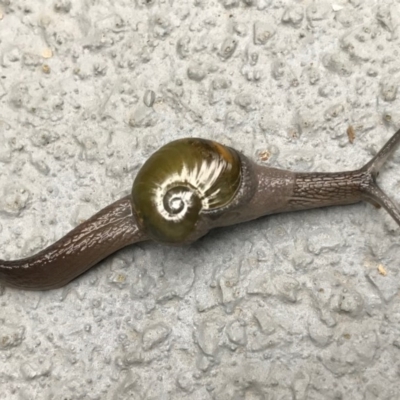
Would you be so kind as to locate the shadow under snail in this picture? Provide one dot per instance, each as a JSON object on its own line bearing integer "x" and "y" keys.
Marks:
{"x": 183, "y": 190}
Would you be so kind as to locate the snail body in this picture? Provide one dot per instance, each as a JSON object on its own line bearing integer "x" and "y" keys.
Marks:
{"x": 183, "y": 190}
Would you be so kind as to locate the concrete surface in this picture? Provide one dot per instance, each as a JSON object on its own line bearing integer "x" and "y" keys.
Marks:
{"x": 295, "y": 306}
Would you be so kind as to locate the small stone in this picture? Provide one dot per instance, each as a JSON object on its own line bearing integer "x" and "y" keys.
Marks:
{"x": 182, "y": 47}
{"x": 236, "y": 333}
{"x": 11, "y": 336}
{"x": 155, "y": 335}
{"x": 229, "y": 3}
{"x": 278, "y": 69}
{"x": 318, "y": 11}
{"x": 228, "y": 47}
{"x": 246, "y": 101}
{"x": 185, "y": 383}
{"x": 265, "y": 321}
{"x": 36, "y": 369}
{"x": 389, "y": 89}
{"x": 258, "y": 341}
{"x": 333, "y": 112}
{"x": 388, "y": 288}
{"x": 207, "y": 335}
{"x": 263, "y": 31}
{"x": 351, "y": 303}
{"x": 149, "y": 98}
{"x": 62, "y": 6}
{"x": 322, "y": 240}
{"x": 382, "y": 270}
{"x": 293, "y": 15}
{"x": 14, "y": 199}
{"x": 338, "y": 63}
{"x": 260, "y": 284}
{"x": 47, "y": 53}
{"x": 196, "y": 73}
{"x": 46, "y": 69}
{"x": 264, "y": 155}
{"x": 286, "y": 288}
{"x": 351, "y": 134}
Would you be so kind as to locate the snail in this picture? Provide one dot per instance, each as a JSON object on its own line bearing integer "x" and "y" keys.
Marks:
{"x": 184, "y": 190}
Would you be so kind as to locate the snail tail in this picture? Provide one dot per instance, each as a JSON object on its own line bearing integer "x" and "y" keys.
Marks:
{"x": 370, "y": 189}
{"x": 107, "y": 231}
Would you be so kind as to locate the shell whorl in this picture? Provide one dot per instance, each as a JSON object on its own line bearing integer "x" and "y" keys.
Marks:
{"x": 179, "y": 181}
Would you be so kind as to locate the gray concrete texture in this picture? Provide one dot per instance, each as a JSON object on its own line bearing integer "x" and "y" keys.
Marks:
{"x": 294, "y": 306}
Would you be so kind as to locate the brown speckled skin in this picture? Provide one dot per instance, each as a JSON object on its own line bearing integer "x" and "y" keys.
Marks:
{"x": 107, "y": 231}
{"x": 277, "y": 191}
{"x": 263, "y": 191}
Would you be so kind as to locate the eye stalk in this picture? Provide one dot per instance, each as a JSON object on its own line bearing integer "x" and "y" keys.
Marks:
{"x": 182, "y": 181}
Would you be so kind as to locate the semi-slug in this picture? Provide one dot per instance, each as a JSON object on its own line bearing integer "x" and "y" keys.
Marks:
{"x": 183, "y": 190}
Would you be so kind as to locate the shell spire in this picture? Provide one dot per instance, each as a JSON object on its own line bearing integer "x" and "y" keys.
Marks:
{"x": 179, "y": 181}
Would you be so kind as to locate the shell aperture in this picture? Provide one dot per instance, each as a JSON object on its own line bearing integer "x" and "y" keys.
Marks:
{"x": 180, "y": 180}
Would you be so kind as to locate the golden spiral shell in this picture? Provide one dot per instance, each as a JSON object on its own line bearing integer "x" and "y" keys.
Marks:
{"x": 179, "y": 181}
